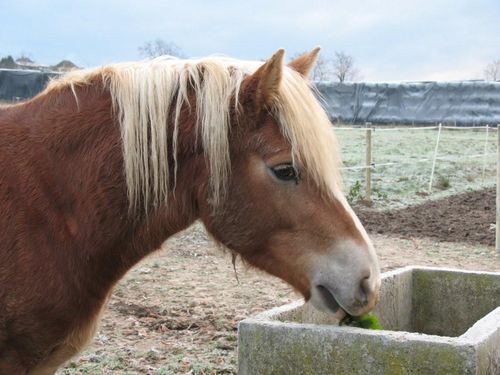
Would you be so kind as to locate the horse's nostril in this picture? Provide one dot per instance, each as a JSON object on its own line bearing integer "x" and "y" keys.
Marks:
{"x": 365, "y": 290}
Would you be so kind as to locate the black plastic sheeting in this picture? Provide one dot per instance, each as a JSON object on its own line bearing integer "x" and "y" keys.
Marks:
{"x": 22, "y": 84}
{"x": 461, "y": 103}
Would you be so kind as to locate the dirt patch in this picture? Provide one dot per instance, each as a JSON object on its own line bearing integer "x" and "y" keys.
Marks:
{"x": 467, "y": 217}
{"x": 177, "y": 312}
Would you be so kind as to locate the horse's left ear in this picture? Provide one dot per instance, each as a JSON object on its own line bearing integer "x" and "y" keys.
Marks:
{"x": 267, "y": 79}
{"x": 305, "y": 62}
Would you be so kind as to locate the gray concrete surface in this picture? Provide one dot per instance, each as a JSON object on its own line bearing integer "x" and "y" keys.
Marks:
{"x": 437, "y": 321}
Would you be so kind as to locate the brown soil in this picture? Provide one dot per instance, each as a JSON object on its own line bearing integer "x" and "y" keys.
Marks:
{"x": 177, "y": 312}
{"x": 468, "y": 217}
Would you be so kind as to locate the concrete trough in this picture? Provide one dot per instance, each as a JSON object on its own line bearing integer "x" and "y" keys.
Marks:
{"x": 437, "y": 321}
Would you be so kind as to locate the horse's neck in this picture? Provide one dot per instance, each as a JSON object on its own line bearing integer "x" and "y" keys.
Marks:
{"x": 75, "y": 161}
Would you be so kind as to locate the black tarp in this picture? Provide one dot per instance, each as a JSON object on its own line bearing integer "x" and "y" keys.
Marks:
{"x": 461, "y": 103}
{"x": 16, "y": 84}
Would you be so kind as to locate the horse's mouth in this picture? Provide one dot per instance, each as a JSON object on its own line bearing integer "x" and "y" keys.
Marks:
{"x": 331, "y": 303}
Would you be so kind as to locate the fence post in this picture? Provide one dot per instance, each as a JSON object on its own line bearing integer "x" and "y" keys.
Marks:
{"x": 368, "y": 164}
{"x": 485, "y": 152}
{"x": 435, "y": 157}
{"x": 497, "y": 232}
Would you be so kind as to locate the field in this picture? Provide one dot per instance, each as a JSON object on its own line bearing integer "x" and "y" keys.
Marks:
{"x": 177, "y": 312}
{"x": 459, "y": 166}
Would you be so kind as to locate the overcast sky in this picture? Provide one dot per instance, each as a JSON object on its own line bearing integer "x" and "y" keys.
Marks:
{"x": 389, "y": 39}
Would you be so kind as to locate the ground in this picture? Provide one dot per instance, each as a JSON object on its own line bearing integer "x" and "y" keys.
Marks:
{"x": 467, "y": 217}
{"x": 177, "y": 312}
{"x": 403, "y": 158}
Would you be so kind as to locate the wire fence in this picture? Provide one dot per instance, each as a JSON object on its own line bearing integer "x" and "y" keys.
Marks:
{"x": 402, "y": 165}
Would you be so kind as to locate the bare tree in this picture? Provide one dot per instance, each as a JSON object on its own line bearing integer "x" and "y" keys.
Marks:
{"x": 323, "y": 70}
{"x": 492, "y": 71}
{"x": 159, "y": 47}
{"x": 8, "y": 62}
{"x": 343, "y": 67}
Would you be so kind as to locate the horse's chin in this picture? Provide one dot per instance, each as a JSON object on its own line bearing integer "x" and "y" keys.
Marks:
{"x": 324, "y": 300}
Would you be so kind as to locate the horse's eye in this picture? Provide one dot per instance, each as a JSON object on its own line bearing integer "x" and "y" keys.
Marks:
{"x": 286, "y": 172}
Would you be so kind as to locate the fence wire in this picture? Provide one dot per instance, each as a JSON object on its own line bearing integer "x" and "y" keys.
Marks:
{"x": 408, "y": 163}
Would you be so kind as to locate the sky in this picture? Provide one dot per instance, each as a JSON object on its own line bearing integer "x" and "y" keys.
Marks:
{"x": 390, "y": 40}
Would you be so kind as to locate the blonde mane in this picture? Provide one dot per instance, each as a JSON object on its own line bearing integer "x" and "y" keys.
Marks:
{"x": 148, "y": 95}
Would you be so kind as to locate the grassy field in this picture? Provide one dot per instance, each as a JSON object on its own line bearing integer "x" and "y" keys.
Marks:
{"x": 407, "y": 180}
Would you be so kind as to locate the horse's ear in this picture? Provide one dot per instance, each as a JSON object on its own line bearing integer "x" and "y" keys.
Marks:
{"x": 304, "y": 64}
{"x": 267, "y": 78}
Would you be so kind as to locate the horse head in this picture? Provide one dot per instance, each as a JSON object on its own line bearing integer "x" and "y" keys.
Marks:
{"x": 283, "y": 210}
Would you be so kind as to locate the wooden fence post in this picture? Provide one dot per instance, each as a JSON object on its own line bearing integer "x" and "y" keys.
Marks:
{"x": 485, "y": 152}
{"x": 497, "y": 232}
{"x": 435, "y": 158}
{"x": 368, "y": 164}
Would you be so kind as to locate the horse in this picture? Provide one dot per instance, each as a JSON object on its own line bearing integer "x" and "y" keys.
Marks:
{"x": 105, "y": 164}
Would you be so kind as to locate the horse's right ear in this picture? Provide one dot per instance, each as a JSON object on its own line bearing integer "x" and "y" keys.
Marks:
{"x": 305, "y": 62}
{"x": 265, "y": 82}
